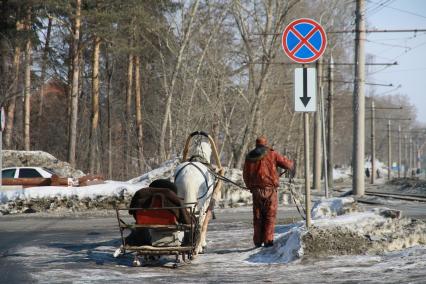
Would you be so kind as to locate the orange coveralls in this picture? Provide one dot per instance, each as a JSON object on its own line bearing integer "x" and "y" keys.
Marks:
{"x": 261, "y": 177}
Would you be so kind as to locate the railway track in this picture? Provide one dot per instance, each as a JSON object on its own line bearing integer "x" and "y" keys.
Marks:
{"x": 394, "y": 195}
{"x": 409, "y": 197}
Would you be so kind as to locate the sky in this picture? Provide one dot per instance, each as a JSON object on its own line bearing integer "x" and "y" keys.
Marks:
{"x": 408, "y": 49}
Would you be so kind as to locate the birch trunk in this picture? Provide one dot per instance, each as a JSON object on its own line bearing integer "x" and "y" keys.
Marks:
{"x": 27, "y": 83}
{"x": 95, "y": 106}
{"x": 138, "y": 109}
{"x": 108, "y": 92}
{"x": 127, "y": 126}
{"x": 12, "y": 103}
{"x": 74, "y": 87}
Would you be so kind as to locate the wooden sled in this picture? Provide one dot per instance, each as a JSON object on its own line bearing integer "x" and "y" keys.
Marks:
{"x": 159, "y": 219}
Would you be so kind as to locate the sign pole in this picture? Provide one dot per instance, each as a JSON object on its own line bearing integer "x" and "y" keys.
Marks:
{"x": 373, "y": 143}
{"x": 307, "y": 176}
{"x": 389, "y": 151}
{"x": 304, "y": 41}
{"x": 399, "y": 151}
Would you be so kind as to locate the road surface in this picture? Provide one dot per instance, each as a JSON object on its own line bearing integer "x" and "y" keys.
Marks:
{"x": 41, "y": 248}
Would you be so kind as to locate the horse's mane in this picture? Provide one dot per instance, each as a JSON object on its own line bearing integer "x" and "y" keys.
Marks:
{"x": 203, "y": 150}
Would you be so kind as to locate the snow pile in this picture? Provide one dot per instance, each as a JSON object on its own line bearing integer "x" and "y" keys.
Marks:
{"x": 165, "y": 171}
{"x": 287, "y": 247}
{"x": 103, "y": 196}
{"x": 340, "y": 174}
{"x": 12, "y": 158}
{"x": 332, "y": 207}
{"x": 373, "y": 231}
{"x": 233, "y": 195}
{"x": 99, "y": 196}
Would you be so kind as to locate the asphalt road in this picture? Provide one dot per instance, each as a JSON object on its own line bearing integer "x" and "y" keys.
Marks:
{"x": 38, "y": 248}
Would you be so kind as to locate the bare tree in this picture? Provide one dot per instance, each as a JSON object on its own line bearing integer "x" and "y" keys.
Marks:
{"x": 138, "y": 110}
{"x": 267, "y": 18}
{"x": 27, "y": 102}
{"x": 94, "y": 147}
{"x": 14, "y": 90}
{"x": 44, "y": 63}
{"x": 128, "y": 123}
{"x": 171, "y": 85}
{"x": 72, "y": 141}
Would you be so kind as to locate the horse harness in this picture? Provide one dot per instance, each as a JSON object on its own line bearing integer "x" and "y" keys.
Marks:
{"x": 191, "y": 161}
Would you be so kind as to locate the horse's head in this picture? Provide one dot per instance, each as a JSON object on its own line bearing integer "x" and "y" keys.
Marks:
{"x": 204, "y": 150}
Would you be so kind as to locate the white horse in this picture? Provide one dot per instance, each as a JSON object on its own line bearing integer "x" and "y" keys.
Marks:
{"x": 195, "y": 184}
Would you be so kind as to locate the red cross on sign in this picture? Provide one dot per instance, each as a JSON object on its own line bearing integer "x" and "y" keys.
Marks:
{"x": 304, "y": 40}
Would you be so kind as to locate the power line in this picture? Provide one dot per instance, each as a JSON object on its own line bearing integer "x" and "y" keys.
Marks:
{"x": 335, "y": 63}
{"x": 354, "y": 31}
{"x": 402, "y": 10}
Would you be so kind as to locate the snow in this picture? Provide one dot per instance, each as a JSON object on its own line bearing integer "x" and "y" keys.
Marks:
{"x": 357, "y": 221}
{"x": 330, "y": 207}
{"x": 346, "y": 172}
{"x": 109, "y": 188}
{"x": 287, "y": 247}
{"x": 341, "y": 173}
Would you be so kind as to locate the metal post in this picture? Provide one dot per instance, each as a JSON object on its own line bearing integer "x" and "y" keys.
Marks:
{"x": 373, "y": 143}
{"x": 389, "y": 151}
{"x": 410, "y": 154}
{"x": 405, "y": 156}
{"x": 359, "y": 103}
{"x": 317, "y": 134}
{"x": 307, "y": 177}
{"x": 414, "y": 154}
{"x": 324, "y": 148}
{"x": 399, "y": 151}
{"x": 330, "y": 148}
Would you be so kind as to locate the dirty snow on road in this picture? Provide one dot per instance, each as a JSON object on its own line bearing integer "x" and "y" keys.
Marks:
{"x": 230, "y": 258}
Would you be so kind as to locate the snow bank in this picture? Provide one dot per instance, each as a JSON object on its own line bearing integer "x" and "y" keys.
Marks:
{"x": 231, "y": 194}
{"x": 335, "y": 233}
{"x": 287, "y": 246}
{"x": 166, "y": 170}
{"x": 12, "y": 158}
{"x": 332, "y": 207}
{"x": 341, "y": 173}
{"x": 91, "y": 191}
{"x": 109, "y": 188}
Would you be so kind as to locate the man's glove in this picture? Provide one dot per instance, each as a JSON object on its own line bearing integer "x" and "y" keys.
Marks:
{"x": 292, "y": 172}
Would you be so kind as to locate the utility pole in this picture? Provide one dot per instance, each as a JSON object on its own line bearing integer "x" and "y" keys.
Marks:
{"x": 410, "y": 151}
{"x": 405, "y": 156}
{"x": 414, "y": 154}
{"x": 389, "y": 151}
{"x": 330, "y": 146}
{"x": 373, "y": 142}
{"x": 317, "y": 134}
{"x": 324, "y": 143}
{"x": 399, "y": 151}
{"x": 359, "y": 102}
{"x": 419, "y": 166}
